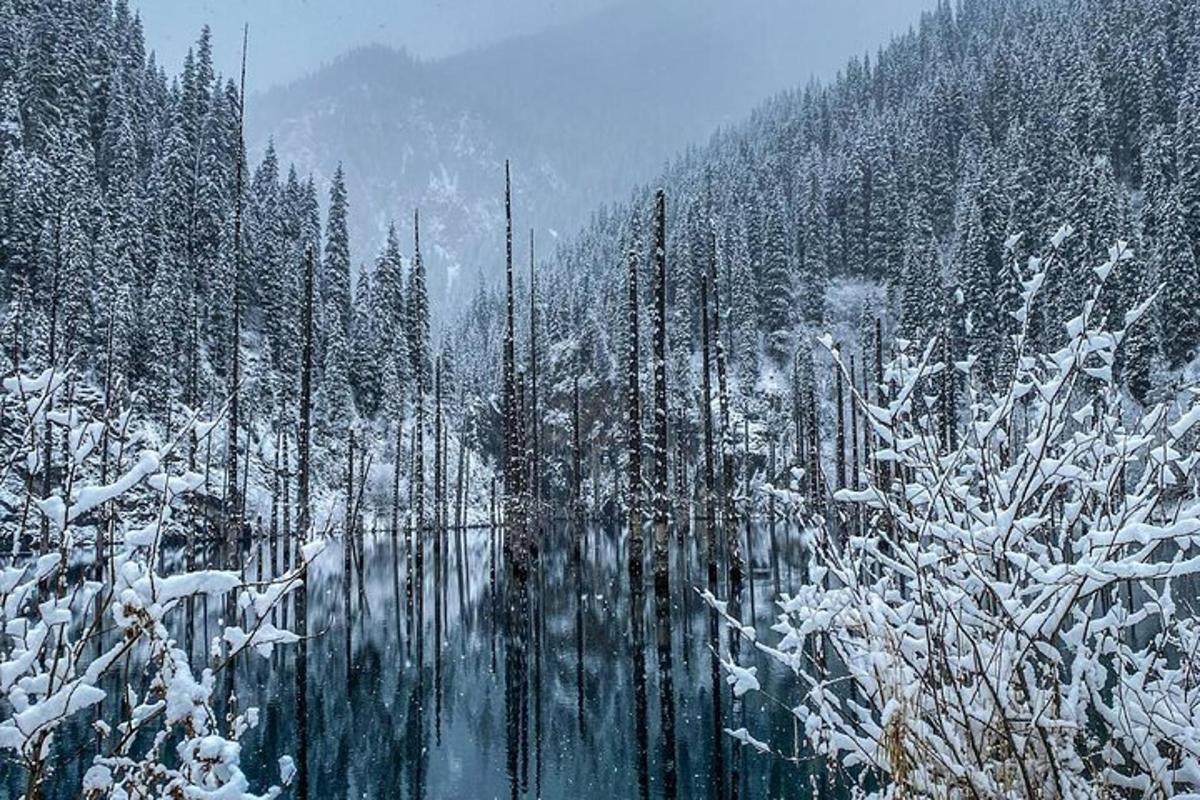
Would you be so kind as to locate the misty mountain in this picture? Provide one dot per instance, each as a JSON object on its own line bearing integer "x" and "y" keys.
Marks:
{"x": 584, "y": 111}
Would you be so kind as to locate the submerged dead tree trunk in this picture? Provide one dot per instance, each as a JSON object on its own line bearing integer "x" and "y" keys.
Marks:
{"x": 302, "y": 499}
{"x": 535, "y": 448}
{"x": 576, "y": 446}
{"x": 661, "y": 498}
{"x": 417, "y": 481}
{"x": 633, "y": 405}
{"x": 710, "y": 549}
{"x": 232, "y": 500}
{"x": 726, "y": 441}
{"x": 514, "y": 539}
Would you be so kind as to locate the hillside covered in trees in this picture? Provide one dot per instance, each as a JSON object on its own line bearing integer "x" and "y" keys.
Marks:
{"x": 586, "y": 110}
{"x": 913, "y": 191}
{"x": 890, "y": 194}
{"x": 137, "y": 244}
{"x": 893, "y": 386}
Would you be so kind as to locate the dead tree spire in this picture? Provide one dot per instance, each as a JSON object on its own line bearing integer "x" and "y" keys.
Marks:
{"x": 633, "y": 405}
{"x": 661, "y": 507}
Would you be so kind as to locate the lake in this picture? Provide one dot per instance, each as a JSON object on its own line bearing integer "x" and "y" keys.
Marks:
{"x": 547, "y": 692}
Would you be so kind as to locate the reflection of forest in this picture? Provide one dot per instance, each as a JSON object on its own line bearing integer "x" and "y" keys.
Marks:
{"x": 533, "y": 692}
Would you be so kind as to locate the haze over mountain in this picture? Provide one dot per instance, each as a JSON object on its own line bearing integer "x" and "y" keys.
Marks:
{"x": 585, "y": 110}
{"x": 292, "y": 38}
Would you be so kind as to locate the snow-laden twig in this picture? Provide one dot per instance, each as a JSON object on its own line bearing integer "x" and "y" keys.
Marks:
{"x": 60, "y": 660}
{"x": 1007, "y": 624}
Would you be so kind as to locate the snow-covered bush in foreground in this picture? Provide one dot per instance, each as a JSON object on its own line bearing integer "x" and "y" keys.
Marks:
{"x": 69, "y": 642}
{"x": 1013, "y": 616}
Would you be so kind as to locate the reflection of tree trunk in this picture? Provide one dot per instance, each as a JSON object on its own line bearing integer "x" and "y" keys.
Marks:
{"x": 577, "y": 557}
{"x": 539, "y": 642}
{"x": 637, "y": 620}
{"x": 415, "y": 736}
{"x": 714, "y": 643}
{"x": 666, "y": 683}
{"x": 515, "y": 676}
{"x": 737, "y": 709}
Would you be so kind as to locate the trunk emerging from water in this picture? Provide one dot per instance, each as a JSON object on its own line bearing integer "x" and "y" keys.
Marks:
{"x": 633, "y": 405}
{"x": 303, "y": 447}
{"x": 726, "y": 442}
{"x": 661, "y": 499}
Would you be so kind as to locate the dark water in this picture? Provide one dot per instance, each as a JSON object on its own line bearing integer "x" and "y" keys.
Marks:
{"x": 550, "y": 691}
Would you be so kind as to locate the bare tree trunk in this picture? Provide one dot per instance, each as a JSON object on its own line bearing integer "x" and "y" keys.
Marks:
{"x": 302, "y": 500}
{"x": 839, "y": 452}
{"x": 576, "y": 448}
{"x": 396, "y": 481}
{"x": 512, "y": 540}
{"x": 535, "y": 462}
{"x": 726, "y": 441}
{"x": 706, "y": 413}
{"x": 232, "y": 500}
{"x": 348, "y": 548}
{"x": 633, "y": 430}
{"x": 661, "y": 501}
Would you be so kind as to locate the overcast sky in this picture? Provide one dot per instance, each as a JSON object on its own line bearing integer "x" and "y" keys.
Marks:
{"x": 289, "y": 38}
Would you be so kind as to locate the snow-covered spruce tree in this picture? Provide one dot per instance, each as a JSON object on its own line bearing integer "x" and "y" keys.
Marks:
{"x": 99, "y": 644}
{"x": 1009, "y": 625}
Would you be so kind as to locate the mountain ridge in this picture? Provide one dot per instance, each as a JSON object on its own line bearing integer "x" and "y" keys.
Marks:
{"x": 584, "y": 111}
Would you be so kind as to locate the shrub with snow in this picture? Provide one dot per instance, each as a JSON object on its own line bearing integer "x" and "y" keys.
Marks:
{"x": 1009, "y": 615}
{"x": 69, "y": 640}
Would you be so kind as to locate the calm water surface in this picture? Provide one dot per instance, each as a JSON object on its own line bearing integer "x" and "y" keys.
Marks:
{"x": 548, "y": 692}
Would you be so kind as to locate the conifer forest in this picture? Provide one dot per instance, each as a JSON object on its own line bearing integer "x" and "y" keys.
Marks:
{"x": 671, "y": 400}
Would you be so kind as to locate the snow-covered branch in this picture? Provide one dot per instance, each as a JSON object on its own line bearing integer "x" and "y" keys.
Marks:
{"x": 1006, "y": 622}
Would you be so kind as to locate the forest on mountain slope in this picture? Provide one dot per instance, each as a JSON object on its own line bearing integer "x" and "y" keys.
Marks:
{"x": 912, "y": 191}
{"x": 894, "y": 189}
{"x": 949, "y": 304}
{"x": 585, "y": 110}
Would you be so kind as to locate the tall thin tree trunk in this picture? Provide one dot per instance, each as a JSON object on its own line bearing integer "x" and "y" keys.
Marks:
{"x": 633, "y": 430}
{"x": 661, "y": 500}
{"x": 513, "y": 537}
{"x": 348, "y": 549}
{"x": 726, "y": 440}
{"x": 232, "y": 500}
{"x": 302, "y": 501}
{"x": 535, "y": 462}
{"x": 576, "y": 447}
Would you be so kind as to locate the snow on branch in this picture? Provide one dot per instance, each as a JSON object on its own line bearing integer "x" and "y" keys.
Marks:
{"x": 1004, "y": 616}
{"x": 70, "y": 640}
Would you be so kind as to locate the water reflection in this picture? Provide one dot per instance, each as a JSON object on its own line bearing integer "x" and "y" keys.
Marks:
{"x": 489, "y": 689}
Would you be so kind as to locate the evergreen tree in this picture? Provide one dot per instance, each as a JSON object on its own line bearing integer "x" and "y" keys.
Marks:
{"x": 418, "y": 317}
{"x": 335, "y": 278}
{"x": 777, "y": 310}
{"x": 1179, "y": 273}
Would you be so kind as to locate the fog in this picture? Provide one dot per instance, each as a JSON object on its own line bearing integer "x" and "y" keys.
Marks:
{"x": 421, "y": 102}
{"x": 291, "y": 38}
